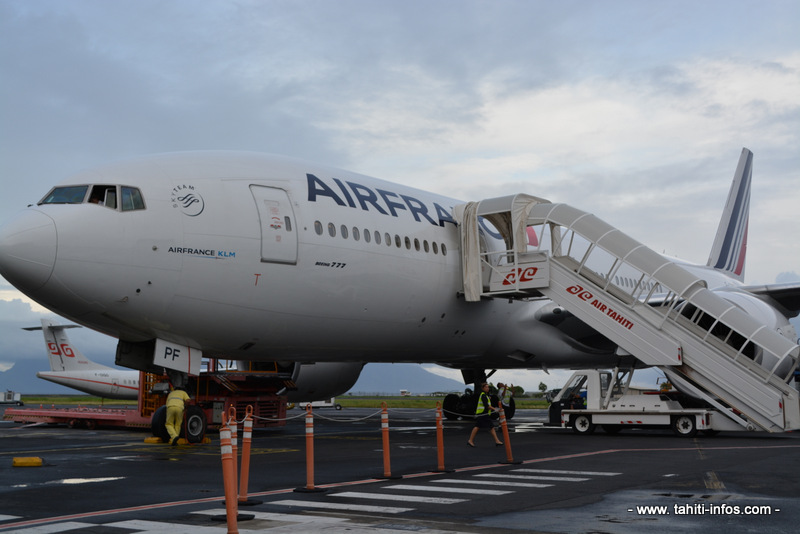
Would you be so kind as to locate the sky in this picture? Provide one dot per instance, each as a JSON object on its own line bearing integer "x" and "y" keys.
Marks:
{"x": 634, "y": 111}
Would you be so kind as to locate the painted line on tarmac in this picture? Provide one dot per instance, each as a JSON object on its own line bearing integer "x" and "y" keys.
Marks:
{"x": 46, "y": 520}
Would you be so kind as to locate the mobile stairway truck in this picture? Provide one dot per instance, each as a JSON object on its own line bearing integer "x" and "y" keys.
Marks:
{"x": 593, "y": 398}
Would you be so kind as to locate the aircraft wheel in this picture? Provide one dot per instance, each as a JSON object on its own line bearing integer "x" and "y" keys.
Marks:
{"x": 158, "y": 422}
{"x": 683, "y": 425}
{"x": 449, "y": 406}
{"x": 582, "y": 424}
{"x": 194, "y": 425}
{"x": 338, "y": 406}
{"x": 91, "y": 424}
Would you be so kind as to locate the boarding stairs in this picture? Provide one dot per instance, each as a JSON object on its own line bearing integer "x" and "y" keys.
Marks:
{"x": 648, "y": 305}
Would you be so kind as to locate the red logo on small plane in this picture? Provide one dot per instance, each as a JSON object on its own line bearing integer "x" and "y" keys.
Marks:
{"x": 525, "y": 274}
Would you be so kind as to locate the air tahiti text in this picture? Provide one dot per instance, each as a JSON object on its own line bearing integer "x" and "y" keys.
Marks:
{"x": 384, "y": 202}
{"x": 587, "y": 296}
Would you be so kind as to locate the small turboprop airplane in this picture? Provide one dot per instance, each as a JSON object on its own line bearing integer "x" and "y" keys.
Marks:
{"x": 69, "y": 367}
{"x": 259, "y": 258}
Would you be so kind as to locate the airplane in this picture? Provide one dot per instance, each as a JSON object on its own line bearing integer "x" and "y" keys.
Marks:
{"x": 277, "y": 261}
{"x": 69, "y": 367}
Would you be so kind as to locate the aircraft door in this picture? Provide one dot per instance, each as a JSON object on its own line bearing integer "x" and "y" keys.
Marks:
{"x": 278, "y": 228}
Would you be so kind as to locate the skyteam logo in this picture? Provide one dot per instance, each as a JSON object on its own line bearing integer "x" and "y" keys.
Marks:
{"x": 189, "y": 201}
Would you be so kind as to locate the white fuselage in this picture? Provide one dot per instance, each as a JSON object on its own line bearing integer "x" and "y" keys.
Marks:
{"x": 108, "y": 383}
{"x": 205, "y": 265}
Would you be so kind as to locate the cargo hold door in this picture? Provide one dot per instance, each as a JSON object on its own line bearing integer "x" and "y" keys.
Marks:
{"x": 278, "y": 233}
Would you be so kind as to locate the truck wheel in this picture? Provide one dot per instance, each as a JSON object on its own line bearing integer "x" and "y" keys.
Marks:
{"x": 157, "y": 423}
{"x": 582, "y": 424}
{"x": 194, "y": 424}
{"x": 449, "y": 406}
{"x": 683, "y": 425}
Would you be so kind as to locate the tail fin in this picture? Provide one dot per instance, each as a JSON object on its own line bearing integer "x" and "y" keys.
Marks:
{"x": 63, "y": 356}
{"x": 730, "y": 244}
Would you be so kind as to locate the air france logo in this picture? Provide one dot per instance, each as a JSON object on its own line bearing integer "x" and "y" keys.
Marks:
{"x": 189, "y": 201}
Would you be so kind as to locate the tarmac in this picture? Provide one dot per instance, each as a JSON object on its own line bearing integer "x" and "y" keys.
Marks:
{"x": 109, "y": 481}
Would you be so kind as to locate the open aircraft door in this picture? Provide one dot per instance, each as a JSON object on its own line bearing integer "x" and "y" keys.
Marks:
{"x": 278, "y": 232}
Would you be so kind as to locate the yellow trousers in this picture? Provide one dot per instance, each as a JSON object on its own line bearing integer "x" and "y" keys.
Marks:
{"x": 174, "y": 421}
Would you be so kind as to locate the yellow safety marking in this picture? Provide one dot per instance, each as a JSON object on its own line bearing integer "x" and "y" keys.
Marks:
{"x": 29, "y": 461}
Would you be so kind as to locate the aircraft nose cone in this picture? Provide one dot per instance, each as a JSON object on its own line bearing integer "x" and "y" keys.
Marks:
{"x": 28, "y": 250}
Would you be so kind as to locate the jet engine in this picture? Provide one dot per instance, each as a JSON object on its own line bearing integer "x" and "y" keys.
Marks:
{"x": 323, "y": 380}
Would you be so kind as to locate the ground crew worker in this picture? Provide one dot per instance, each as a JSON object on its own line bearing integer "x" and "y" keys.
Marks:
{"x": 505, "y": 392}
{"x": 483, "y": 419}
{"x": 176, "y": 403}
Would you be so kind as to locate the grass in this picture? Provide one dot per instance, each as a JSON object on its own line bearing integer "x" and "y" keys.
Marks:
{"x": 83, "y": 400}
{"x": 348, "y": 401}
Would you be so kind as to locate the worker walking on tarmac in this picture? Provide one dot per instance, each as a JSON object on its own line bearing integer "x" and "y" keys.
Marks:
{"x": 504, "y": 393}
{"x": 483, "y": 419}
{"x": 176, "y": 403}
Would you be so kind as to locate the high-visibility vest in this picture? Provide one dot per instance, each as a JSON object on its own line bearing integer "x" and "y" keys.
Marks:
{"x": 481, "y": 408}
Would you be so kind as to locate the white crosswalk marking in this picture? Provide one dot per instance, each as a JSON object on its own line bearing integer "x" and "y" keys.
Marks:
{"x": 341, "y": 506}
{"x": 533, "y": 477}
{"x": 55, "y": 527}
{"x": 508, "y": 483}
{"x": 388, "y": 497}
{"x": 557, "y": 472}
{"x": 286, "y": 518}
{"x": 448, "y": 490}
{"x": 158, "y": 527}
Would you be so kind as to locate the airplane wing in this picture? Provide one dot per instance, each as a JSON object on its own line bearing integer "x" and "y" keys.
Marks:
{"x": 785, "y": 296}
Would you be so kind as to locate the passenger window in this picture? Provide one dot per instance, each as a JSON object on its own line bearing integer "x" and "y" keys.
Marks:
{"x": 318, "y": 227}
{"x": 444, "y": 249}
{"x": 397, "y": 242}
{"x": 332, "y": 229}
{"x": 435, "y": 247}
{"x": 388, "y": 240}
{"x": 131, "y": 199}
{"x": 377, "y": 237}
{"x": 356, "y": 234}
{"x": 416, "y": 244}
{"x": 344, "y": 232}
{"x": 72, "y": 194}
{"x": 426, "y": 246}
{"x": 367, "y": 235}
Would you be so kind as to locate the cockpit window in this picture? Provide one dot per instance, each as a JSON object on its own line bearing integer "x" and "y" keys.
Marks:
{"x": 131, "y": 199}
{"x": 72, "y": 194}
{"x": 104, "y": 195}
{"x": 115, "y": 197}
